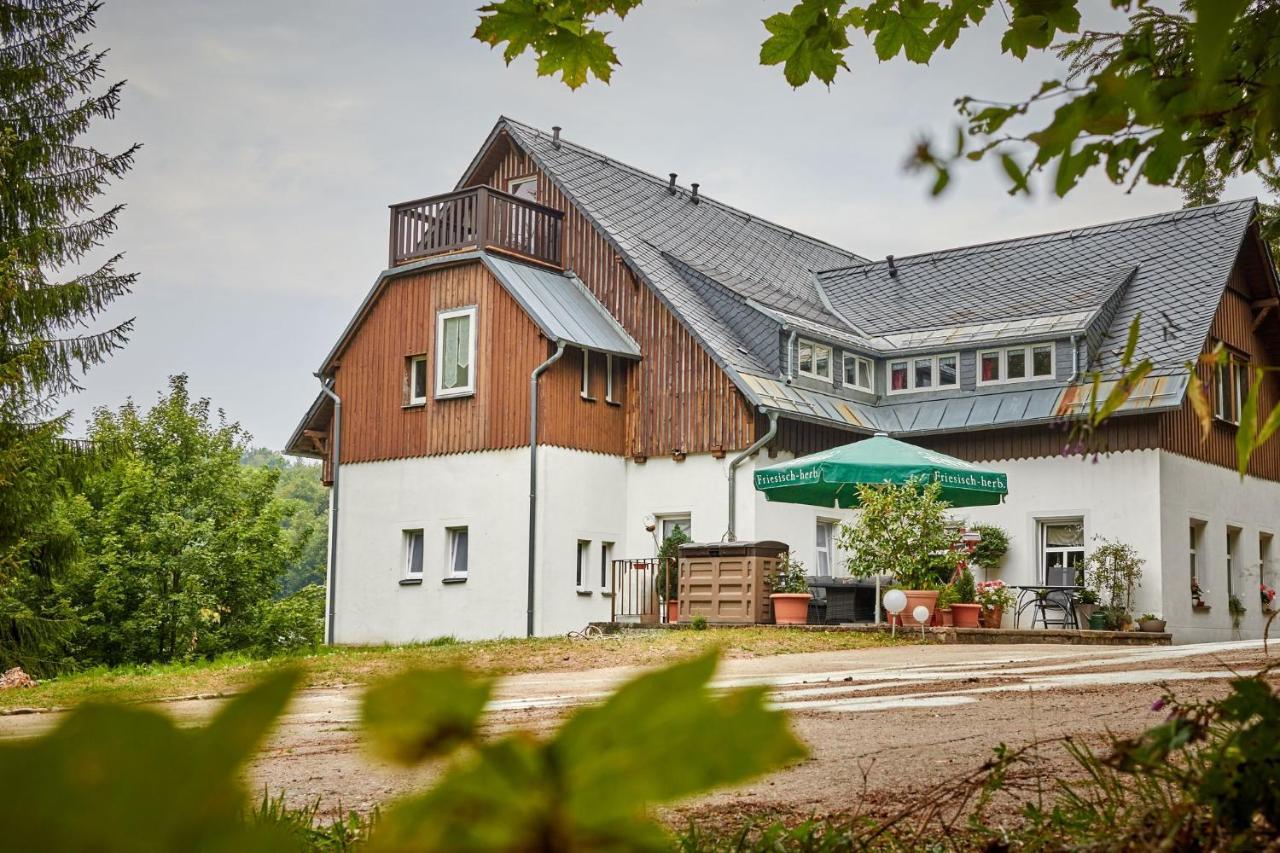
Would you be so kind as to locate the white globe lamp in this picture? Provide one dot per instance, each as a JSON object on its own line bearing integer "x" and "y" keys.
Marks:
{"x": 895, "y": 601}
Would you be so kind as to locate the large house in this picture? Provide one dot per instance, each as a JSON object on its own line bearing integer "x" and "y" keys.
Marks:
{"x": 654, "y": 347}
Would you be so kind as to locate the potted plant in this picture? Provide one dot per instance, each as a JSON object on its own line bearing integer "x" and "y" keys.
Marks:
{"x": 902, "y": 532}
{"x": 1114, "y": 570}
{"x": 1236, "y": 606}
{"x": 1086, "y": 604}
{"x": 965, "y": 611}
{"x": 1198, "y": 596}
{"x": 1268, "y": 598}
{"x": 990, "y": 550}
{"x": 790, "y": 593}
{"x": 667, "y": 575}
{"x": 1151, "y": 623}
{"x": 946, "y": 598}
{"x": 994, "y": 597}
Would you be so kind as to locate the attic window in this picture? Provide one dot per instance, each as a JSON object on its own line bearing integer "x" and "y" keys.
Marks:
{"x": 924, "y": 373}
{"x": 1015, "y": 364}
{"x": 857, "y": 372}
{"x": 814, "y": 360}
{"x": 1230, "y": 387}
{"x": 417, "y": 380}
{"x": 456, "y": 352}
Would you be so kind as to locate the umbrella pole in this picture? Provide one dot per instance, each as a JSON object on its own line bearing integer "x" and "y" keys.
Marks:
{"x": 877, "y": 600}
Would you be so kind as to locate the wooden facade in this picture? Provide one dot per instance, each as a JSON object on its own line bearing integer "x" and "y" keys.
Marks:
{"x": 680, "y": 401}
{"x": 372, "y": 377}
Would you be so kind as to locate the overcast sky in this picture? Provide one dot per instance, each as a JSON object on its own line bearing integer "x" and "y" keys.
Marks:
{"x": 276, "y": 133}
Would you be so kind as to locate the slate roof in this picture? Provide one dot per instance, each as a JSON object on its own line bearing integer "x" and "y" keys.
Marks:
{"x": 1183, "y": 258}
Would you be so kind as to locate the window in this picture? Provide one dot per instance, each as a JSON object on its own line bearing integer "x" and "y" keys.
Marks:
{"x": 525, "y": 188}
{"x": 1264, "y": 557}
{"x": 1230, "y": 387}
{"x": 1233, "y": 549}
{"x": 671, "y": 522}
{"x": 923, "y": 372}
{"x": 1015, "y": 364}
{"x": 857, "y": 371}
{"x": 1194, "y": 551}
{"x": 814, "y": 360}
{"x": 456, "y": 556}
{"x": 1062, "y": 551}
{"x": 455, "y": 352}
{"x": 413, "y": 553}
{"x": 825, "y": 545}
{"x": 586, "y": 375}
{"x": 417, "y": 380}
{"x": 584, "y": 564}
{"x": 609, "y": 396}
{"x": 606, "y": 560}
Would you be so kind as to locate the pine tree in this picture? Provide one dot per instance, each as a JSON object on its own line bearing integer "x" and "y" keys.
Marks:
{"x": 50, "y": 94}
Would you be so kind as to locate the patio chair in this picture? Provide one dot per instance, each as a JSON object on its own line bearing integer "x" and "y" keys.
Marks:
{"x": 1054, "y": 608}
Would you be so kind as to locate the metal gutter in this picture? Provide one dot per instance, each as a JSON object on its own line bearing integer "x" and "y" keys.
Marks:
{"x": 533, "y": 477}
{"x": 326, "y": 387}
{"x": 730, "y": 535}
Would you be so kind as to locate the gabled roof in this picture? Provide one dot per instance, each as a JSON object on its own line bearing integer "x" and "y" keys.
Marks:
{"x": 636, "y": 213}
{"x": 1183, "y": 261}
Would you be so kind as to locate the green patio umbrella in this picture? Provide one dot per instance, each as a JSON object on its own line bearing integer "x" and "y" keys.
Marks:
{"x": 832, "y": 477}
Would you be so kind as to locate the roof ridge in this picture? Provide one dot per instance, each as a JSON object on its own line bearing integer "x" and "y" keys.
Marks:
{"x": 971, "y": 249}
{"x": 649, "y": 176}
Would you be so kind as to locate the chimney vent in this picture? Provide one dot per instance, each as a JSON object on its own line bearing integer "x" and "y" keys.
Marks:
{"x": 893, "y": 270}
{"x": 555, "y": 137}
{"x": 671, "y": 186}
{"x": 694, "y": 197}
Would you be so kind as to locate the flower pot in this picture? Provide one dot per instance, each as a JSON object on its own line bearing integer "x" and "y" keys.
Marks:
{"x": 916, "y": 598}
{"x": 790, "y": 608}
{"x": 673, "y": 610}
{"x": 965, "y": 615}
{"x": 991, "y": 617}
{"x": 1097, "y": 621}
{"x": 945, "y": 617}
{"x": 639, "y": 565}
{"x": 1086, "y": 612}
{"x": 1152, "y": 626}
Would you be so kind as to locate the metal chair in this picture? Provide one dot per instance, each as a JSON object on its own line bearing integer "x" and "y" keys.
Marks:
{"x": 1056, "y": 608}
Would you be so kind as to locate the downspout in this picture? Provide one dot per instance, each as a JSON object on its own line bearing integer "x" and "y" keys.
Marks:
{"x": 533, "y": 473}
{"x": 1075, "y": 358}
{"x": 791, "y": 348}
{"x": 326, "y": 386}
{"x": 730, "y": 535}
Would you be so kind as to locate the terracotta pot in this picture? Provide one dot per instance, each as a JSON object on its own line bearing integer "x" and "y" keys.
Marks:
{"x": 991, "y": 617}
{"x": 965, "y": 615}
{"x": 790, "y": 608}
{"x": 673, "y": 610}
{"x": 1152, "y": 626}
{"x": 945, "y": 617}
{"x": 915, "y": 598}
{"x": 639, "y": 565}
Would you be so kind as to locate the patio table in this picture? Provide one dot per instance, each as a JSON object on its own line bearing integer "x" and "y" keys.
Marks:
{"x": 1033, "y": 594}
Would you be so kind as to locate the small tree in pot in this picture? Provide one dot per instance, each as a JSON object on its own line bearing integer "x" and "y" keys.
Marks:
{"x": 1114, "y": 571}
{"x": 990, "y": 551}
{"x": 900, "y": 532}
{"x": 667, "y": 576}
{"x": 965, "y": 610}
{"x": 789, "y": 593}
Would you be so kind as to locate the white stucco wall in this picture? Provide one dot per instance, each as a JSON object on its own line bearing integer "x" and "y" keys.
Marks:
{"x": 1217, "y": 498}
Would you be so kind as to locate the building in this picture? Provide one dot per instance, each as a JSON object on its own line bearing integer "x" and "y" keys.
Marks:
{"x": 668, "y": 337}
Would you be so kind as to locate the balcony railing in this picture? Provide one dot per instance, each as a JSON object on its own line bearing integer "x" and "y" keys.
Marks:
{"x": 477, "y": 218}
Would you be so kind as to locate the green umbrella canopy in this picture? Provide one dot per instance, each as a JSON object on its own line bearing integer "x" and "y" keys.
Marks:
{"x": 831, "y": 476}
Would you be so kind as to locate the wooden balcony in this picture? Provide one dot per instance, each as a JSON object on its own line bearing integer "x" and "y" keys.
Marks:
{"x": 476, "y": 218}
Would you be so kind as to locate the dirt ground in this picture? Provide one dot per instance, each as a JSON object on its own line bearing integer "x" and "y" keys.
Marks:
{"x": 882, "y": 724}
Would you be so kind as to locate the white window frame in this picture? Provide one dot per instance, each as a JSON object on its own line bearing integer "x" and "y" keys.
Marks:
{"x": 585, "y": 391}
{"x": 1196, "y": 529}
{"x": 606, "y": 565}
{"x": 451, "y": 549}
{"x": 1028, "y": 354}
{"x": 684, "y": 519}
{"x": 1044, "y": 549}
{"x": 858, "y": 362}
{"x": 934, "y": 373}
{"x": 830, "y": 550}
{"x": 406, "y": 558}
{"x": 1234, "y": 535}
{"x": 515, "y": 183}
{"x": 608, "y": 378}
{"x": 814, "y": 346}
{"x": 1231, "y": 376}
{"x": 441, "y": 317}
{"x": 582, "y": 572}
{"x": 416, "y": 363}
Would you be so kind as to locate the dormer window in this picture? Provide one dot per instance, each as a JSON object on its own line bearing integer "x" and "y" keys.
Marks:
{"x": 857, "y": 372}
{"x": 924, "y": 373}
{"x": 1015, "y": 364}
{"x": 456, "y": 352}
{"x": 814, "y": 360}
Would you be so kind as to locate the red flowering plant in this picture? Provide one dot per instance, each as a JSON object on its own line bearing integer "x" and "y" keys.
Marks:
{"x": 1197, "y": 594}
{"x": 1268, "y": 596}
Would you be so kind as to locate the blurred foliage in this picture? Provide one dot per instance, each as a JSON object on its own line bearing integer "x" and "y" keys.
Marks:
{"x": 116, "y": 778}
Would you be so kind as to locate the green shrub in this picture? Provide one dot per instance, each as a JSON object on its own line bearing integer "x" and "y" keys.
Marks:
{"x": 290, "y": 624}
{"x": 699, "y": 623}
{"x": 990, "y": 551}
{"x": 789, "y": 576}
{"x": 966, "y": 591}
{"x": 667, "y": 578}
{"x": 902, "y": 532}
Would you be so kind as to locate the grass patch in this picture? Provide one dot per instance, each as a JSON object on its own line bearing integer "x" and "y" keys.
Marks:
{"x": 356, "y": 665}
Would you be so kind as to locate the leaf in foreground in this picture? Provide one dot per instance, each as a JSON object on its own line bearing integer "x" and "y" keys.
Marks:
{"x": 423, "y": 713}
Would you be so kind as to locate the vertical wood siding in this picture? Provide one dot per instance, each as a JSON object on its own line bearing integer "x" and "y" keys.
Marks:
{"x": 678, "y": 397}
{"x": 372, "y": 375}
